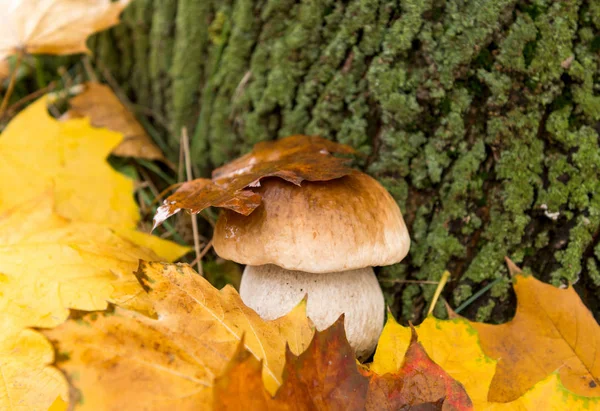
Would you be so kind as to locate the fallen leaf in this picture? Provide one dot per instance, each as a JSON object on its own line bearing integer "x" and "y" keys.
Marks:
{"x": 27, "y": 381}
{"x": 453, "y": 345}
{"x": 547, "y": 395}
{"x": 46, "y": 270}
{"x": 104, "y": 109}
{"x": 294, "y": 159}
{"x": 326, "y": 376}
{"x": 170, "y": 361}
{"x": 552, "y": 330}
{"x": 53, "y": 26}
{"x": 38, "y": 153}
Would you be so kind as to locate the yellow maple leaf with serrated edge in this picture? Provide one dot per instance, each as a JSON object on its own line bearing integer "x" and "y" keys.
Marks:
{"x": 170, "y": 361}
{"x": 454, "y": 346}
{"x": 39, "y": 153}
{"x": 44, "y": 271}
{"x": 27, "y": 381}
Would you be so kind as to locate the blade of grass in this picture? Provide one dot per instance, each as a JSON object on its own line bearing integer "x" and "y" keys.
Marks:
{"x": 478, "y": 294}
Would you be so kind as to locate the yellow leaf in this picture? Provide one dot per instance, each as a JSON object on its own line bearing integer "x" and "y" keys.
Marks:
{"x": 453, "y": 345}
{"x": 104, "y": 109}
{"x": 547, "y": 395}
{"x": 38, "y": 153}
{"x": 53, "y": 26}
{"x": 171, "y": 361}
{"x": 67, "y": 265}
{"x": 552, "y": 330}
{"x": 27, "y": 382}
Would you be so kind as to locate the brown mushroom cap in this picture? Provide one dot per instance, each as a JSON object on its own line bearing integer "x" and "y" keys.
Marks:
{"x": 338, "y": 225}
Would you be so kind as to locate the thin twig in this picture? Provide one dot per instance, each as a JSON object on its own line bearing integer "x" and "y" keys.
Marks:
{"x": 185, "y": 142}
{"x": 11, "y": 84}
{"x": 31, "y": 97}
{"x": 87, "y": 65}
{"x": 398, "y": 281}
{"x": 198, "y": 259}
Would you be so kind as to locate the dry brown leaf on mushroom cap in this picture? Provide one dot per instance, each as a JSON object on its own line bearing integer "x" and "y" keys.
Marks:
{"x": 294, "y": 159}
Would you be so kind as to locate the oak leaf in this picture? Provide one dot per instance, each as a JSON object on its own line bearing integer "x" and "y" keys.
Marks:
{"x": 169, "y": 361}
{"x": 104, "y": 109}
{"x": 53, "y": 26}
{"x": 552, "y": 330}
{"x": 294, "y": 159}
{"x": 326, "y": 376}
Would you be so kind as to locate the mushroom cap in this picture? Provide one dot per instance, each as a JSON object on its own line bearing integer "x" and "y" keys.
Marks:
{"x": 344, "y": 224}
{"x": 272, "y": 292}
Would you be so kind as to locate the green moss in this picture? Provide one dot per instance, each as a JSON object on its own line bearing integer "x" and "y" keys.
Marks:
{"x": 484, "y": 312}
{"x": 479, "y": 117}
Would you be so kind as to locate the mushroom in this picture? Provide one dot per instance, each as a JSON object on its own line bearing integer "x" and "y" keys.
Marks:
{"x": 320, "y": 239}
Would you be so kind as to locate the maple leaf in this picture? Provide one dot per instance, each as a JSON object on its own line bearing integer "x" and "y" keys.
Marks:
{"x": 53, "y": 26}
{"x": 27, "y": 382}
{"x": 45, "y": 269}
{"x": 454, "y": 345}
{"x": 104, "y": 109}
{"x": 170, "y": 360}
{"x": 326, "y": 376}
{"x": 39, "y": 153}
{"x": 294, "y": 159}
{"x": 551, "y": 330}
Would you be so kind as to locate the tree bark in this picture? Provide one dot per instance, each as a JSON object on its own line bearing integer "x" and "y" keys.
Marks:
{"x": 480, "y": 117}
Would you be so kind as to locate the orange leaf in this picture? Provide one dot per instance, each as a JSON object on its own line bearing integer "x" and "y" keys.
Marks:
{"x": 54, "y": 26}
{"x": 294, "y": 159}
{"x": 116, "y": 359}
{"x": 325, "y": 376}
{"x": 104, "y": 109}
{"x": 552, "y": 330}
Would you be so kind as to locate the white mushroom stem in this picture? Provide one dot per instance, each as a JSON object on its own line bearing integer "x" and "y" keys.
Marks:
{"x": 273, "y": 291}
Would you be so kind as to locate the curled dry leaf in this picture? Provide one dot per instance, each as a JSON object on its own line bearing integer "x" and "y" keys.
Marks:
{"x": 104, "y": 109}
{"x": 326, "y": 376}
{"x": 552, "y": 330}
{"x": 169, "y": 361}
{"x": 294, "y": 159}
{"x": 53, "y": 26}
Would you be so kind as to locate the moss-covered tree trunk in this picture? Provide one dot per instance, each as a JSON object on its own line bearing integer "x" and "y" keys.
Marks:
{"x": 481, "y": 117}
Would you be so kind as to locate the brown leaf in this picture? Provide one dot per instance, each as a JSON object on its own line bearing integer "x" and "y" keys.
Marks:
{"x": 326, "y": 376}
{"x": 294, "y": 159}
{"x": 104, "y": 109}
{"x": 552, "y": 330}
{"x": 54, "y": 26}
